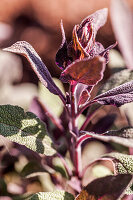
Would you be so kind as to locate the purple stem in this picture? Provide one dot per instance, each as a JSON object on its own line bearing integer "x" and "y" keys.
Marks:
{"x": 76, "y": 152}
{"x": 84, "y": 107}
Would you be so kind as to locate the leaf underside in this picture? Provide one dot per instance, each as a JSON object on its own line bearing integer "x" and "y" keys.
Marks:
{"x": 25, "y": 49}
{"x": 123, "y": 137}
{"x": 117, "y": 96}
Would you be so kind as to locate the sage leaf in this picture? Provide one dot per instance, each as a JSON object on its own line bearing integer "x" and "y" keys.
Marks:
{"x": 25, "y": 49}
{"x": 123, "y": 164}
{"x": 117, "y": 96}
{"x": 25, "y": 129}
{"x": 123, "y": 136}
{"x": 117, "y": 79}
{"x": 107, "y": 188}
{"x": 57, "y": 195}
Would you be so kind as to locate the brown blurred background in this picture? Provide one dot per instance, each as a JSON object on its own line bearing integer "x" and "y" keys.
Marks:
{"x": 38, "y": 22}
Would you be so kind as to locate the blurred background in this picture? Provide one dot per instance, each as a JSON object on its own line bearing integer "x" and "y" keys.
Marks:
{"x": 38, "y": 22}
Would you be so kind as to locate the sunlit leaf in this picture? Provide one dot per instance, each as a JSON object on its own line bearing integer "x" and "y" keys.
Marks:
{"x": 25, "y": 129}
{"x": 106, "y": 188}
{"x": 85, "y": 71}
{"x": 25, "y": 49}
{"x": 57, "y": 195}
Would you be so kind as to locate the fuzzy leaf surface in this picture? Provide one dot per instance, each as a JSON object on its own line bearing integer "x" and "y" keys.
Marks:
{"x": 57, "y": 195}
{"x": 86, "y": 71}
{"x": 123, "y": 136}
{"x": 25, "y": 129}
{"x": 117, "y": 96}
{"x": 117, "y": 79}
{"x": 25, "y": 49}
{"x": 106, "y": 188}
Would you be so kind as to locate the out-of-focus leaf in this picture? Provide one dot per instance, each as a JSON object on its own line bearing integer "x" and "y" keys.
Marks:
{"x": 115, "y": 60}
{"x": 123, "y": 136}
{"x": 3, "y": 187}
{"x": 117, "y": 96}
{"x": 123, "y": 164}
{"x": 57, "y": 195}
{"x": 86, "y": 71}
{"x": 6, "y": 31}
{"x": 24, "y": 48}
{"x": 127, "y": 111}
{"x": 31, "y": 167}
{"x": 13, "y": 70}
{"x": 117, "y": 79}
{"x": 37, "y": 109}
{"x": 59, "y": 167}
{"x": 80, "y": 120}
{"x": 106, "y": 188}
{"x": 12, "y": 73}
{"x": 104, "y": 123}
{"x": 101, "y": 171}
{"x": 122, "y": 22}
{"x": 25, "y": 129}
{"x": 52, "y": 102}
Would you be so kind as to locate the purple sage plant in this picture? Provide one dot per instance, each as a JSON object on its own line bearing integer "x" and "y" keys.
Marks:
{"x": 82, "y": 61}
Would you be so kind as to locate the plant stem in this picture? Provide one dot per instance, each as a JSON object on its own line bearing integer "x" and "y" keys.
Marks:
{"x": 76, "y": 152}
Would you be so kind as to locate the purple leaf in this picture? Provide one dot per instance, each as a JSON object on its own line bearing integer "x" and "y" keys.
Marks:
{"x": 117, "y": 96}
{"x": 42, "y": 111}
{"x": 106, "y": 188}
{"x": 85, "y": 33}
{"x": 86, "y": 71}
{"x": 37, "y": 109}
{"x": 82, "y": 94}
{"x": 25, "y": 49}
{"x": 117, "y": 79}
{"x": 123, "y": 164}
{"x": 62, "y": 58}
{"x": 122, "y": 21}
{"x": 104, "y": 123}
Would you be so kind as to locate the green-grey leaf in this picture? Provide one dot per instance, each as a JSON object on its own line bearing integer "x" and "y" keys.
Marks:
{"x": 57, "y": 195}
{"x": 123, "y": 137}
{"x": 123, "y": 164}
{"x": 117, "y": 79}
{"x": 25, "y": 129}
